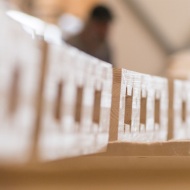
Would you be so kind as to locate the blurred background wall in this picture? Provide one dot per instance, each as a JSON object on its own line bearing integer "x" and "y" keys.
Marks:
{"x": 144, "y": 35}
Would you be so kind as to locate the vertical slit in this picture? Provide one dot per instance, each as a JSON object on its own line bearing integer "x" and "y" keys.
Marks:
{"x": 128, "y": 108}
{"x": 157, "y": 111}
{"x": 170, "y": 109}
{"x": 78, "y": 108}
{"x": 97, "y": 106}
{"x": 58, "y": 102}
{"x": 183, "y": 112}
{"x": 143, "y": 110}
{"x": 14, "y": 92}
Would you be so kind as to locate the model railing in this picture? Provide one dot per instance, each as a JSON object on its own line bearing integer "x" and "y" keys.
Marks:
{"x": 57, "y": 102}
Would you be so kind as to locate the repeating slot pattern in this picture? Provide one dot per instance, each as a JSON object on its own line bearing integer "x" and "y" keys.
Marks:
{"x": 143, "y": 108}
{"x": 77, "y": 105}
{"x": 63, "y": 102}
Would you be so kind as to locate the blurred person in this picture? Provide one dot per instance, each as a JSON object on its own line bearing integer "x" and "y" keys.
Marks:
{"x": 93, "y": 38}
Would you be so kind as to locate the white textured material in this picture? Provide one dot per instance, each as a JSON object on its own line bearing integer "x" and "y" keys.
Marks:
{"x": 181, "y": 94}
{"x": 18, "y": 52}
{"x": 152, "y": 88}
{"x": 36, "y": 27}
{"x": 66, "y": 137}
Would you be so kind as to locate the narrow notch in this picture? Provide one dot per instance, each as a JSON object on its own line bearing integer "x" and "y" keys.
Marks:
{"x": 128, "y": 108}
{"x": 58, "y": 102}
{"x": 157, "y": 111}
{"x": 143, "y": 110}
{"x": 14, "y": 92}
{"x": 183, "y": 112}
{"x": 97, "y": 106}
{"x": 78, "y": 108}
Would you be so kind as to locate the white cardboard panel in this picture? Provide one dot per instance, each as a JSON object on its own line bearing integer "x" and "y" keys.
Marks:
{"x": 181, "y": 110}
{"x": 19, "y": 55}
{"x": 67, "y": 137}
{"x": 152, "y": 88}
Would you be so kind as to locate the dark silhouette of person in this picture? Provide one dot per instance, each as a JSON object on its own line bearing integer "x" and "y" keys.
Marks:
{"x": 93, "y": 38}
